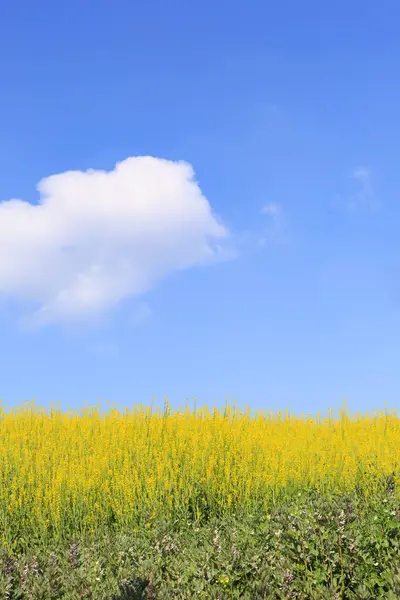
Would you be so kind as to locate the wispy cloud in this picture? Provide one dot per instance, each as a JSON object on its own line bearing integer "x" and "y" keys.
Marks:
{"x": 272, "y": 210}
{"x": 273, "y": 231}
{"x": 364, "y": 195}
{"x": 360, "y": 193}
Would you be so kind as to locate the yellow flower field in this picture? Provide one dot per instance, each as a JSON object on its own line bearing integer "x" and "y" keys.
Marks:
{"x": 86, "y": 469}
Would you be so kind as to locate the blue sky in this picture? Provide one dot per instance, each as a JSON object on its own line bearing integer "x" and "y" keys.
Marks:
{"x": 289, "y": 115}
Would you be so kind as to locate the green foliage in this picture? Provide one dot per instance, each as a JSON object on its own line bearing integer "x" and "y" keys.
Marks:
{"x": 311, "y": 546}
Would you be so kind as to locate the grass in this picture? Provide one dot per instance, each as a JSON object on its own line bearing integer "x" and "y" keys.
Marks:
{"x": 198, "y": 504}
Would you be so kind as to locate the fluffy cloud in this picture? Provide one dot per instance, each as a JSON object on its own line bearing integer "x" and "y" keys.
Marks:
{"x": 97, "y": 237}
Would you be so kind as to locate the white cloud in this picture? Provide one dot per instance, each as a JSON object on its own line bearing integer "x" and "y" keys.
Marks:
{"x": 98, "y": 237}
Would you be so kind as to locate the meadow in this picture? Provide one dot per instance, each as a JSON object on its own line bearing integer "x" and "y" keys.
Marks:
{"x": 198, "y": 503}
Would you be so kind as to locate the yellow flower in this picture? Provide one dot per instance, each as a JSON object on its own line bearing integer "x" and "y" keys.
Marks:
{"x": 159, "y": 463}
